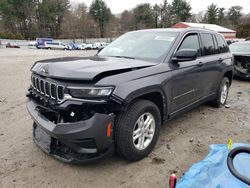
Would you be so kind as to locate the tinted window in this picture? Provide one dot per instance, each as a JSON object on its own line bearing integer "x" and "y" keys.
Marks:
{"x": 207, "y": 44}
{"x": 191, "y": 42}
{"x": 222, "y": 46}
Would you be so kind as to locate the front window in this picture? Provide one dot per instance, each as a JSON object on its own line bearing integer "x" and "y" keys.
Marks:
{"x": 141, "y": 44}
{"x": 240, "y": 47}
{"x": 191, "y": 42}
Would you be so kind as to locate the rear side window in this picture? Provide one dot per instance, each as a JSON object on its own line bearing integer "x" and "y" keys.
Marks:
{"x": 222, "y": 46}
{"x": 207, "y": 44}
{"x": 191, "y": 42}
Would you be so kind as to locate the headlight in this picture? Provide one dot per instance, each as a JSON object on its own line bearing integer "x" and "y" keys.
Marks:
{"x": 92, "y": 92}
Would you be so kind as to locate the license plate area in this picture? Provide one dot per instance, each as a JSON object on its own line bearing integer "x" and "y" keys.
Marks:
{"x": 42, "y": 138}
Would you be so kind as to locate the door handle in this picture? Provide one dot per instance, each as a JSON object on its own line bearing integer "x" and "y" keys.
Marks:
{"x": 220, "y": 59}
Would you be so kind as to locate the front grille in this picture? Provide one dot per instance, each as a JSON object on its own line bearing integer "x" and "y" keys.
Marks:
{"x": 48, "y": 89}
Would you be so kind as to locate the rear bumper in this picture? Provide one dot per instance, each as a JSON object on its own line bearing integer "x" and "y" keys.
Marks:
{"x": 77, "y": 142}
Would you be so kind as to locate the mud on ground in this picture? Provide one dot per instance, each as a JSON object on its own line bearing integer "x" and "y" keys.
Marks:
{"x": 183, "y": 141}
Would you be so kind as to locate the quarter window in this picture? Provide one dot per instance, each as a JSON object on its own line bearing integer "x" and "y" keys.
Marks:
{"x": 207, "y": 44}
{"x": 222, "y": 46}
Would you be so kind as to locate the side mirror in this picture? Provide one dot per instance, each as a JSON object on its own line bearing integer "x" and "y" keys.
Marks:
{"x": 185, "y": 55}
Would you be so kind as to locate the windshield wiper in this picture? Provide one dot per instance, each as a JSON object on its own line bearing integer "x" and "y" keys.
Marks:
{"x": 119, "y": 56}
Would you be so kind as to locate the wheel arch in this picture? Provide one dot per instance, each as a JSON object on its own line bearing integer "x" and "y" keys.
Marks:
{"x": 229, "y": 75}
{"x": 153, "y": 94}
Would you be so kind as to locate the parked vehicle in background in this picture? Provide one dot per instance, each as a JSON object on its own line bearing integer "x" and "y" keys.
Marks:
{"x": 104, "y": 44}
{"x": 90, "y": 46}
{"x": 8, "y": 45}
{"x": 77, "y": 46}
{"x": 32, "y": 43}
{"x": 247, "y": 39}
{"x": 85, "y": 107}
{"x": 99, "y": 45}
{"x": 82, "y": 46}
{"x": 241, "y": 53}
{"x": 55, "y": 46}
{"x": 73, "y": 46}
{"x": 40, "y": 42}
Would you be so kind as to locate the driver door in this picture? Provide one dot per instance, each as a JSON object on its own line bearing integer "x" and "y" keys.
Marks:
{"x": 186, "y": 76}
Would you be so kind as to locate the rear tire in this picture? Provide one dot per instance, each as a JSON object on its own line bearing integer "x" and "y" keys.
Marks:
{"x": 137, "y": 130}
{"x": 222, "y": 94}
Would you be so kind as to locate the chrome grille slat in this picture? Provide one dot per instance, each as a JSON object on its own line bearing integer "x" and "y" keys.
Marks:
{"x": 37, "y": 84}
{"x": 42, "y": 86}
{"x": 60, "y": 92}
{"x": 33, "y": 81}
{"x": 47, "y": 88}
{"x": 53, "y": 90}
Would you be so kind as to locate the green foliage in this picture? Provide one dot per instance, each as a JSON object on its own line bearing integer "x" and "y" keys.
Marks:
{"x": 234, "y": 14}
{"x": 243, "y": 31}
{"x": 180, "y": 10}
{"x": 17, "y": 15}
{"x": 165, "y": 14}
{"x": 58, "y": 18}
{"x": 212, "y": 14}
{"x": 156, "y": 15}
{"x": 10, "y": 35}
{"x": 126, "y": 21}
{"x": 100, "y": 12}
{"x": 143, "y": 15}
{"x": 50, "y": 15}
{"x": 221, "y": 16}
{"x": 32, "y": 18}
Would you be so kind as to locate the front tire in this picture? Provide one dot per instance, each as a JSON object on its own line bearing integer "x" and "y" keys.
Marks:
{"x": 222, "y": 94}
{"x": 137, "y": 130}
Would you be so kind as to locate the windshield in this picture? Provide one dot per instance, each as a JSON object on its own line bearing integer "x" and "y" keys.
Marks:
{"x": 143, "y": 45}
{"x": 241, "y": 47}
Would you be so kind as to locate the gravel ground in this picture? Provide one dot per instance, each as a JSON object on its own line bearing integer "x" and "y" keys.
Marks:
{"x": 183, "y": 141}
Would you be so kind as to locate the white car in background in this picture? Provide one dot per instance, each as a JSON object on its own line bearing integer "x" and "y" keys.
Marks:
{"x": 99, "y": 45}
{"x": 32, "y": 44}
{"x": 82, "y": 46}
{"x": 89, "y": 46}
{"x": 55, "y": 46}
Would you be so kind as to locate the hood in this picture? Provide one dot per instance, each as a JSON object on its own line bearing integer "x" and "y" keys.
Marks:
{"x": 90, "y": 68}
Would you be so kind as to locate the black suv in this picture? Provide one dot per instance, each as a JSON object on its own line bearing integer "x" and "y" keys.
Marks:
{"x": 86, "y": 108}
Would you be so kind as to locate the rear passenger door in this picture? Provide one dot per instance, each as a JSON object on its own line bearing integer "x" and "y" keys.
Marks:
{"x": 223, "y": 50}
{"x": 210, "y": 65}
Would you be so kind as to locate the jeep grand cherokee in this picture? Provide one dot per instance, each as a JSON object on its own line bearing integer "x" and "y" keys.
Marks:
{"x": 84, "y": 109}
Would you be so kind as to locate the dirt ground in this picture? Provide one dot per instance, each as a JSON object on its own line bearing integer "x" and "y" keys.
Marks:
{"x": 183, "y": 141}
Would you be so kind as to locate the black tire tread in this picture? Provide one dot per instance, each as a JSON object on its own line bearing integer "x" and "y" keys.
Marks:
{"x": 122, "y": 130}
{"x": 216, "y": 102}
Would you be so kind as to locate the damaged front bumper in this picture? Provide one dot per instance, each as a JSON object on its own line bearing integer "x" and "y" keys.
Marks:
{"x": 73, "y": 142}
{"x": 241, "y": 72}
{"x": 242, "y": 66}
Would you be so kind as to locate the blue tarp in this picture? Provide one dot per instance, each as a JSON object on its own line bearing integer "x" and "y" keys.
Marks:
{"x": 212, "y": 172}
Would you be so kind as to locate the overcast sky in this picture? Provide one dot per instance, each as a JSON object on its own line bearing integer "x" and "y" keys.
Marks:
{"x": 117, "y": 6}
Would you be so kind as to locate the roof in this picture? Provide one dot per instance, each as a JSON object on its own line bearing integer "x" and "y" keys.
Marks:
{"x": 213, "y": 27}
{"x": 179, "y": 30}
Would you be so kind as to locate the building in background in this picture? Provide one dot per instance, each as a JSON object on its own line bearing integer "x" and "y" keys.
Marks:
{"x": 227, "y": 33}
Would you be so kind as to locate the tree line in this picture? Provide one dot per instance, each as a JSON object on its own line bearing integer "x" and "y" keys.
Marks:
{"x": 28, "y": 19}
